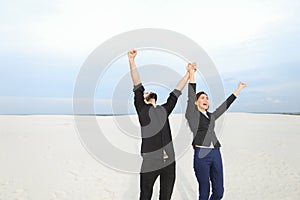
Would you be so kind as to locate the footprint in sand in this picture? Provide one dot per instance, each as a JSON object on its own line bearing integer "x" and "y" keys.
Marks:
{"x": 74, "y": 175}
{"x": 59, "y": 195}
{"x": 21, "y": 194}
{"x": 109, "y": 194}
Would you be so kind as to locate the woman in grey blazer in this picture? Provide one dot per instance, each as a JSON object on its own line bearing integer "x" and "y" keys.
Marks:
{"x": 208, "y": 165}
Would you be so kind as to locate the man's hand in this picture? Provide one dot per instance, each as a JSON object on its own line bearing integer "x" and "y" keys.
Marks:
{"x": 132, "y": 54}
{"x": 191, "y": 67}
{"x": 133, "y": 70}
{"x": 194, "y": 66}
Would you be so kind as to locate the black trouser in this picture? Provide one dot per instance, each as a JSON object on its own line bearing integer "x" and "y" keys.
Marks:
{"x": 167, "y": 180}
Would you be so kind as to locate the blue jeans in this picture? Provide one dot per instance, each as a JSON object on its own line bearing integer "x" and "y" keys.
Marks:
{"x": 208, "y": 168}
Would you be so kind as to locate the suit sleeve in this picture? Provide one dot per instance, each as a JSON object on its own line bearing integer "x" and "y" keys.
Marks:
{"x": 171, "y": 101}
{"x": 192, "y": 114}
{"x": 139, "y": 102}
{"x": 224, "y": 106}
{"x": 191, "y": 106}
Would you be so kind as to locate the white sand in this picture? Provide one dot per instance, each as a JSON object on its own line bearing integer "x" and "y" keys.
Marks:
{"x": 41, "y": 157}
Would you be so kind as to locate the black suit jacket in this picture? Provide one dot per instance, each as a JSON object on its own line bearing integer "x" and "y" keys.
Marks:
{"x": 155, "y": 127}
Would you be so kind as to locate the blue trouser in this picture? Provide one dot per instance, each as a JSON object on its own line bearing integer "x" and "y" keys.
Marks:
{"x": 208, "y": 167}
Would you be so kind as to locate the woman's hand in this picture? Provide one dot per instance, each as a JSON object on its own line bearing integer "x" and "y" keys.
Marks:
{"x": 241, "y": 86}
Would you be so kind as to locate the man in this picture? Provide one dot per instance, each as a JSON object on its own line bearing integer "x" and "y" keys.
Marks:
{"x": 157, "y": 148}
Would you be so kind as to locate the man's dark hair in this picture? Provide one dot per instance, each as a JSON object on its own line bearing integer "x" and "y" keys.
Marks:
{"x": 152, "y": 95}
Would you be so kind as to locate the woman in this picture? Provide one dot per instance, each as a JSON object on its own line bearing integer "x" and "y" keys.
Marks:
{"x": 207, "y": 157}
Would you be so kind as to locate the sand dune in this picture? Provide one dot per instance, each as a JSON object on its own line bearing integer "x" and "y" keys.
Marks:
{"x": 42, "y": 157}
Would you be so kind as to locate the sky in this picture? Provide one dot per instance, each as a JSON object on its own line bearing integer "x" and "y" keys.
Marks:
{"x": 43, "y": 45}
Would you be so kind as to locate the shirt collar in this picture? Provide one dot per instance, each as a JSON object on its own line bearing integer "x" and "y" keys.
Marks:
{"x": 205, "y": 114}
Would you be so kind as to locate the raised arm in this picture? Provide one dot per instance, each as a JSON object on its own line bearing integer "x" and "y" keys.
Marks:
{"x": 172, "y": 100}
{"x": 133, "y": 70}
{"x": 192, "y": 86}
{"x": 241, "y": 86}
{"x": 192, "y": 69}
{"x": 225, "y": 105}
{"x": 181, "y": 84}
{"x": 191, "y": 113}
{"x": 138, "y": 88}
{"x": 190, "y": 75}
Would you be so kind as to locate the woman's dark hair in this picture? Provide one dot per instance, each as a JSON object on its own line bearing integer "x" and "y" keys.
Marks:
{"x": 152, "y": 95}
{"x": 199, "y": 94}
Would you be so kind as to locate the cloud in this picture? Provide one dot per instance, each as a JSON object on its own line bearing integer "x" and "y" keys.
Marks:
{"x": 245, "y": 39}
{"x": 76, "y": 27}
{"x": 274, "y": 101}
